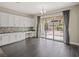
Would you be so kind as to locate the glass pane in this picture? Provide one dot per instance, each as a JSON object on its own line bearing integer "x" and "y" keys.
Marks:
{"x": 58, "y": 29}
{"x": 49, "y": 31}
{"x": 42, "y": 30}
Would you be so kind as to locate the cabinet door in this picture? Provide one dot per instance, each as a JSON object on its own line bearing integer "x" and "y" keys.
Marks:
{"x": 29, "y": 22}
{"x": 11, "y": 20}
{"x": 5, "y": 39}
{"x": 0, "y": 19}
{"x": 26, "y": 35}
{"x": 12, "y": 38}
{"x": 21, "y": 22}
{"x": 24, "y": 22}
{"x": 17, "y": 35}
{"x": 0, "y": 40}
{"x": 22, "y": 36}
{"x": 4, "y": 20}
{"x": 17, "y": 21}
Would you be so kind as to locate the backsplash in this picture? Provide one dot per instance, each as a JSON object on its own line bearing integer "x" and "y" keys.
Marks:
{"x": 15, "y": 29}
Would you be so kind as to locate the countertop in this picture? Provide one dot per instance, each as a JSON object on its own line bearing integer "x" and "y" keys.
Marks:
{"x": 16, "y": 32}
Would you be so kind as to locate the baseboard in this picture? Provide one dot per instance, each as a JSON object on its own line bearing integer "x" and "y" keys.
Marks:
{"x": 74, "y": 43}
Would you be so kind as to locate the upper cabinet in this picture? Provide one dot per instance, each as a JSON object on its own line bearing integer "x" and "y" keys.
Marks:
{"x": 29, "y": 22}
{"x": 4, "y": 20}
{"x": 9, "y": 20}
{"x": 17, "y": 21}
{"x": 22, "y": 22}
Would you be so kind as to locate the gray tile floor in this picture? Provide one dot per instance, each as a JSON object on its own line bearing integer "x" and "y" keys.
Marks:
{"x": 39, "y": 47}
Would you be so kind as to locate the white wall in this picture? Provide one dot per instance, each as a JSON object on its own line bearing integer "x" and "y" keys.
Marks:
{"x": 74, "y": 25}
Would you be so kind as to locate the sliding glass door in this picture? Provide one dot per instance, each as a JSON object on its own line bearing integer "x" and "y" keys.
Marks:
{"x": 52, "y": 28}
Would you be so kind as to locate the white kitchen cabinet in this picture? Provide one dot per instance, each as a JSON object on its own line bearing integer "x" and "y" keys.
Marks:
{"x": 17, "y": 37}
{"x": 17, "y": 21}
{"x": 29, "y": 22}
{"x": 11, "y": 37}
{"x": 21, "y": 21}
{"x": 11, "y": 20}
{"x": 25, "y": 22}
{"x": 4, "y": 19}
{"x": 0, "y": 40}
{"x": 0, "y": 19}
{"x": 20, "y": 36}
{"x": 5, "y": 39}
{"x": 14, "y": 37}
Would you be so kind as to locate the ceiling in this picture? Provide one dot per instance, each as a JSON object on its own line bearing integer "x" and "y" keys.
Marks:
{"x": 33, "y": 8}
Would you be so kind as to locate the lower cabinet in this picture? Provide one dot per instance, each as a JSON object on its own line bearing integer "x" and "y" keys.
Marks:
{"x": 13, "y": 37}
{"x": 5, "y": 39}
{"x": 19, "y": 36}
{"x": 0, "y": 40}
